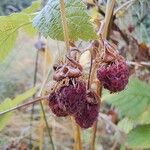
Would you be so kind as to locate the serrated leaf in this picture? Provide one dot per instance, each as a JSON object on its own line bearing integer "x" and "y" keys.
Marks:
{"x": 9, "y": 26}
{"x": 48, "y": 21}
{"x": 139, "y": 137}
{"x": 126, "y": 125}
{"x": 134, "y": 101}
{"x": 8, "y": 103}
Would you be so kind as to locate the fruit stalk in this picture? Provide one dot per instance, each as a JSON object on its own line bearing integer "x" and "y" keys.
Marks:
{"x": 64, "y": 23}
{"x": 109, "y": 13}
{"x": 66, "y": 39}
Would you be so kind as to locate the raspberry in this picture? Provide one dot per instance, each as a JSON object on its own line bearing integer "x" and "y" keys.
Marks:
{"x": 87, "y": 115}
{"x": 114, "y": 75}
{"x": 72, "y": 97}
{"x": 54, "y": 105}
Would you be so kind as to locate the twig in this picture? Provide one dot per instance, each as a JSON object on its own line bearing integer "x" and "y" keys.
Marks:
{"x": 78, "y": 137}
{"x": 45, "y": 77}
{"x": 46, "y": 122}
{"x": 108, "y": 121}
{"x": 32, "y": 110}
{"x": 93, "y": 136}
{"x": 123, "y": 6}
{"x": 64, "y": 23}
{"x": 90, "y": 71}
{"x": 109, "y": 12}
{"x": 66, "y": 39}
{"x": 38, "y": 99}
{"x": 115, "y": 27}
{"x": 142, "y": 63}
{"x": 108, "y": 17}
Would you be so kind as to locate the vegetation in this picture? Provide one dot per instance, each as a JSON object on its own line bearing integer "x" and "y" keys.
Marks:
{"x": 75, "y": 74}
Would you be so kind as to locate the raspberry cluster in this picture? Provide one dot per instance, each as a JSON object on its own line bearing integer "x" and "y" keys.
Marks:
{"x": 68, "y": 99}
{"x": 72, "y": 97}
{"x": 114, "y": 76}
{"x": 113, "y": 72}
{"x": 75, "y": 100}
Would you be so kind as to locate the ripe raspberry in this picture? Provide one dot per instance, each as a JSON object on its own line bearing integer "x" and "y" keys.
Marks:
{"x": 54, "y": 105}
{"x": 72, "y": 97}
{"x": 87, "y": 116}
{"x": 114, "y": 76}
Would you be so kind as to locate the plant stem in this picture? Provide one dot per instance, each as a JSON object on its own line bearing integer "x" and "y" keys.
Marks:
{"x": 47, "y": 126}
{"x": 43, "y": 115}
{"x": 66, "y": 39}
{"x": 109, "y": 12}
{"x": 77, "y": 137}
{"x": 93, "y": 136}
{"x": 64, "y": 23}
{"x": 108, "y": 17}
{"x": 90, "y": 71}
{"x": 38, "y": 99}
{"x": 32, "y": 110}
{"x": 123, "y": 6}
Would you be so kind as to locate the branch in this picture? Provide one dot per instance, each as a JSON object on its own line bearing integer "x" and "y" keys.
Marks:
{"x": 123, "y": 6}
{"x": 38, "y": 99}
{"x": 142, "y": 63}
{"x": 64, "y": 23}
{"x": 115, "y": 27}
{"x": 109, "y": 14}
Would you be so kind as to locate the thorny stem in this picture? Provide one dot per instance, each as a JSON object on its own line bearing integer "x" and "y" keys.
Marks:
{"x": 64, "y": 23}
{"x": 38, "y": 99}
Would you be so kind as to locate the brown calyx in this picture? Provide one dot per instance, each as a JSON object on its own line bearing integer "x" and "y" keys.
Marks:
{"x": 92, "y": 97}
{"x": 71, "y": 68}
{"x": 110, "y": 53}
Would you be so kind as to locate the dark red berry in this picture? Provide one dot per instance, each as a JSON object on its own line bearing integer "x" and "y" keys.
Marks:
{"x": 55, "y": 107}
{"x": 87, "y": 115}
{"x": 72, "y": 97}
{"x": 114, "y": 75}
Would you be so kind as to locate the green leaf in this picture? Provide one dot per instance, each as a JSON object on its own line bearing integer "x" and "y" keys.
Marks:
{"x": 133, "y": 102}
{"x": 33, "y": 8}
{"x": 8, "y": 103}
{"x": 139, "y": 137}
{"x": 9, "y": 26}
{"x": 48, "y": 21}
{"x": 126, "y": 125}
